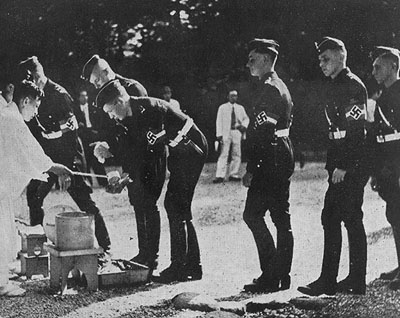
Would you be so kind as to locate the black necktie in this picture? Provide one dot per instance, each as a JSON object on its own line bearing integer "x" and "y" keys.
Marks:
{"x": 233, "y": 118}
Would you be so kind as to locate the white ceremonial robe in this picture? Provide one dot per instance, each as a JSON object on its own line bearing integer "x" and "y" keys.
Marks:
{"x": 21, "y": 159}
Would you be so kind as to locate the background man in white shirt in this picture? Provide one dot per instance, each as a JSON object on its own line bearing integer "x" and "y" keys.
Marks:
{"x": 167, "y": 95}
{"x": 232, "y": 122}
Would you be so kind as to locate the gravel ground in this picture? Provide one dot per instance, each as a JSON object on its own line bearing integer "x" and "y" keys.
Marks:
{"x": 228, "y": 253}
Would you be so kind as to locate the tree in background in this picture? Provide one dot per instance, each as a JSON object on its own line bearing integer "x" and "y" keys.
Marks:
{"x": 191, "y": 44}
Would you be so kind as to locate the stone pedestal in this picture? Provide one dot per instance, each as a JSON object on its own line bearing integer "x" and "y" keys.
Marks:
{"x": 34, "y": 265}
{"x": 34, "y": 259}
{"x": 62, "y": 262}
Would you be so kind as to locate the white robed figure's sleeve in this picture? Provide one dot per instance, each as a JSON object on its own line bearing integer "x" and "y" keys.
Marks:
{"x": 21, "y": 156}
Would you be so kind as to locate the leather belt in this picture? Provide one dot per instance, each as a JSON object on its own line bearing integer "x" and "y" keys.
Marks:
{"x": 282, "y": 133}
{"x": 182, "y": 133}
{"x": 52, "y": 135}
{"x": 182, "y": 137}
{"x": 336, "y": 135}
{"x": 389, "y": 137}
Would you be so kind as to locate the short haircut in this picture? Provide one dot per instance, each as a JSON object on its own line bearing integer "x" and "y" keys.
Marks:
{"x": 25, "y": 89}
{"x": 265, "y": 46}
{"x": 166, "y": 89}
{"x": 391, "y": 57}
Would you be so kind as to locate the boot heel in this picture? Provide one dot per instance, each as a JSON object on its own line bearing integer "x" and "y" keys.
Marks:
{"x": 285, "y": 283}
{"x": 194, "y": 272}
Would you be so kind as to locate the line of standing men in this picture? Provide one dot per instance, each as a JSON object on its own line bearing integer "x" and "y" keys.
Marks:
{"x": 351, "y": 159}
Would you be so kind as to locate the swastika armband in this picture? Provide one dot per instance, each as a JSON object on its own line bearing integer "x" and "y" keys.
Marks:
{"x": 71, "y": 123}
{"x": 356, "y": 112}
{"x": 264, "y": 117}
{"x": 67, "y": 125}
{"x": 152, "y": 138}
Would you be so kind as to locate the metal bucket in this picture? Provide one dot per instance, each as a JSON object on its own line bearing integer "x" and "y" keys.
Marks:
{"x": 74, "y": 231}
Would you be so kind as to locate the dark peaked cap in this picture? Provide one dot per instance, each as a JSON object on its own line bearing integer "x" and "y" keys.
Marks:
{"x": 27, "y": 67}
{"x": 88, "y": 67}
{"x": 264, "y": 46}
{"x": 328, "y": 43}
{"x": 108, "y": 92}
{"x": 30, "y": 63}
{"x": 380, "y": 50}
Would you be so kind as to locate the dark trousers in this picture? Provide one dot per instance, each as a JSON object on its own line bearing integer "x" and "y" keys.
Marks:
{"x": 79, "y": 192}
{"x": 389, "y": 191}
{"x": 343, "y": 203}
{"x": 143, "y": 196}
{"x": 270, "y": 193}
{"x": 185, "y": 165}
{"x": 87, "y": 137}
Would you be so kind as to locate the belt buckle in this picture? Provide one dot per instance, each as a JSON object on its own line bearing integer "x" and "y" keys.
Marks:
{"x": 185, "y": 140}
{"x": 380, "y": 138}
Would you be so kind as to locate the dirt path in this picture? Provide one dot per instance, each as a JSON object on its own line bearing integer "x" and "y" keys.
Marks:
{"x": 228, "y": 252}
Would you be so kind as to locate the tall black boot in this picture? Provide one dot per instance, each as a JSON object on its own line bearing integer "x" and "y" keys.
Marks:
{"x": 354, "y": 283}
{"x": 395, "y": 283}
{"x": 326, "y": 283}
{"x": 332, "y": 250}
{"x": 101, "y": 232}
{"x": 141, "y": 257}
{"x": 153, "y": 238}
{"x": 193, "y": 266}
{"x": 284, "y": 256}
{"x": 176, "y": 271}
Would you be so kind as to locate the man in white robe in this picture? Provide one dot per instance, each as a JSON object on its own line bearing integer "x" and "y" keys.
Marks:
{"x": 21, "y": 160}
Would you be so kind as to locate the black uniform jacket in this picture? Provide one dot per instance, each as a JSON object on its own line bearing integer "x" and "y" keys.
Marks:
{"x": 55, "y": 110}
{"x": 174, "y": 121}
{"x": 117, "y": 133}
{"x": 346, "y": 112}
{"x": 388, "y": 153}
{"x": 271, "y": 111}
{"x": 135, "y": 155}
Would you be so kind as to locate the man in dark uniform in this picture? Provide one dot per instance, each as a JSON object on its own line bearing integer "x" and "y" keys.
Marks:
{"x": 386, "y": 137}
{"x": 55, "y": 127}
{"x": 146, "y": 166}
{"x": 270, "y": 165}
{"x": 161, "y": 123}
{"x": 345, "y": 113}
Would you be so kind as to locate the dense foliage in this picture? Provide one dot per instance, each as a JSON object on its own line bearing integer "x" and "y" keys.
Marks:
{"x": 198, "y": 47}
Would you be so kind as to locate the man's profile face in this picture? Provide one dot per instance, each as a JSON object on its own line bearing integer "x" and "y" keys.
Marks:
{"x": 330, "y": 62}
{"x": 256, "y": 63}
{"x": 116, "y": 109}
{"x": 29, "y": 107}
{"x": 382, "y": 69}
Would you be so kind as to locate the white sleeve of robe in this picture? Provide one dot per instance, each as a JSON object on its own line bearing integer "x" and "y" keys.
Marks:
{"x": 21, "y": 156}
